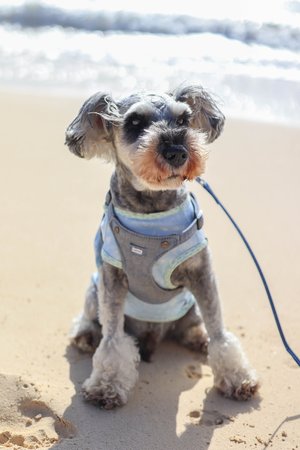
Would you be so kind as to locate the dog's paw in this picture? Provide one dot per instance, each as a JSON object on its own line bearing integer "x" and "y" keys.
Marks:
{"x": 244, "y": 390}
{"x": 114, "y": 373}
{"x": 85, "y": 334}
{"x": 233, "y": 375}
{"x": 87, "y": 342}
{"x": 104, "y": 395}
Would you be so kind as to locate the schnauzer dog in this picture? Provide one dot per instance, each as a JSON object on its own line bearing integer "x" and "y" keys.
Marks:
{"x": 154, "y": 277}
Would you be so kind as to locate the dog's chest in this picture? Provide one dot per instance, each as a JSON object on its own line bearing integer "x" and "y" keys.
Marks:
{"x": 148, "y": 247}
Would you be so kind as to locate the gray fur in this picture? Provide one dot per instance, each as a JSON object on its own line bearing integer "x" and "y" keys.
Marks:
{"x": 99, "y": 130}
{"x": 91, "y": 130}
{"x": 126, "y": 196}
{"x": 206, "y": 114}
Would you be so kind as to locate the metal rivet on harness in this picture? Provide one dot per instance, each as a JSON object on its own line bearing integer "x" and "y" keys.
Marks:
{"x": 165, "y": 244}
{"x": 117, "y": 229}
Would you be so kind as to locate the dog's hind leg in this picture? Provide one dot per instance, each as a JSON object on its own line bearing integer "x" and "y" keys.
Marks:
{"x": 190, "y": 331}
{"x": 86, "y": 329}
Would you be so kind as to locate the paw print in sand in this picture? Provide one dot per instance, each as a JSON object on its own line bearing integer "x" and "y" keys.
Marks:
{"x": 26, "y": 421}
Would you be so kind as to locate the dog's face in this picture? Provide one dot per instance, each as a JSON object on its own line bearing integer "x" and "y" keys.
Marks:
{"x": 158, "y": 138}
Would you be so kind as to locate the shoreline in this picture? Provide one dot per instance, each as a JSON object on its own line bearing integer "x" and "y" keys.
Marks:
{"x": 53, "y": 91}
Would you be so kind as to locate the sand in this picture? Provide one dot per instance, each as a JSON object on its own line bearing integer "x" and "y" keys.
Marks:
{"x": 51, "y": 203}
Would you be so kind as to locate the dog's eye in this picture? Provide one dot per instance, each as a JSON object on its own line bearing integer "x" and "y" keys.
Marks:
{"x": 134, "y": 126}
{"x": 135, "y": 122}
{"x": 183, "y": 119}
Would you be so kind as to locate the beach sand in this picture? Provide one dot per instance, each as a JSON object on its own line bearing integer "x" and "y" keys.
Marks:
{"x": 51, "y": 204}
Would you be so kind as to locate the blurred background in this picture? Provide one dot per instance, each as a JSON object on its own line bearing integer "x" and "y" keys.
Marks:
{"x": 246, "y": 52}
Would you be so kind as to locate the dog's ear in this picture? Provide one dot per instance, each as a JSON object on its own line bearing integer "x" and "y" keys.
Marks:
{"x": 91, "y": 132}
{"x": 206, "y": 116}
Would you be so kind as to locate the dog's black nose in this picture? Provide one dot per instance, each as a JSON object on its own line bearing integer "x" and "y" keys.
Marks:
{"x": 175, "y": 155}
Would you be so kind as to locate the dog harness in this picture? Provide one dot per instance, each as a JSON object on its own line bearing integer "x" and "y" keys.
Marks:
{"x": 149, "y": 247}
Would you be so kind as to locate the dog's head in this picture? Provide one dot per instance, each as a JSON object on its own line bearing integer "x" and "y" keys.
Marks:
{"x": 158, "y": 138}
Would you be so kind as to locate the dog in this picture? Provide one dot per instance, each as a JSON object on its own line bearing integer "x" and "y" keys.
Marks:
{"x": 155, "y": 277}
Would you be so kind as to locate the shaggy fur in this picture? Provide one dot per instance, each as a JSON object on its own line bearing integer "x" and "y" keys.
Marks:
{"x": 156, "y": 143}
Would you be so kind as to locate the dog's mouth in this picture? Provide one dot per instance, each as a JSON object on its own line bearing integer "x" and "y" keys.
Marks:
{"x": 173, "y": 181}
{"x": 162, "y": 176}
{"x": 174, "y": 177}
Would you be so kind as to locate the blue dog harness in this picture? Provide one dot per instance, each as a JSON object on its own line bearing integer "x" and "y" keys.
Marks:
{"x": 149, "y": 247}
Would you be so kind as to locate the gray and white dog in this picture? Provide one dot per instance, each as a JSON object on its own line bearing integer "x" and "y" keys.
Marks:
{"x": 154, "y": 278}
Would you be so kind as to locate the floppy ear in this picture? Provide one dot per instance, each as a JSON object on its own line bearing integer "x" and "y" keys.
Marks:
{"x": 206, "y": 116}
{"x": 91, "y": 132}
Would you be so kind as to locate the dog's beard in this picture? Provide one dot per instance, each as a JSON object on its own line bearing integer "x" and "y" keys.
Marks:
{"x": 155, "y": 172}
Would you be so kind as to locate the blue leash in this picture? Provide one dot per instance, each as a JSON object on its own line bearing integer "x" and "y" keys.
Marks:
{"x": 206, "y": 186}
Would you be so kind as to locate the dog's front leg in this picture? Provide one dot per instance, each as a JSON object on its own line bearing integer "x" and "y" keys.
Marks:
{"x": 115, "y": 361}
{"x": 233, "y": 375}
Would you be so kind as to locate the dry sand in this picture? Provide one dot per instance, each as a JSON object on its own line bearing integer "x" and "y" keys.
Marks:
{"x": 51, "y": 203}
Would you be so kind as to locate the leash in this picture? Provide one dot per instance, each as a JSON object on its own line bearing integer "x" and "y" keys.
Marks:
{"x": 207, "y": 187}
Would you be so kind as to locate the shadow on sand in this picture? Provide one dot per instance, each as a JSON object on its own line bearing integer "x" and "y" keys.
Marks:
{"x": 151, "y": 419}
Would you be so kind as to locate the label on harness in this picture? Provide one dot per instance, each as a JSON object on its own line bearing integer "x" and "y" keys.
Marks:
{"x": 140, "y": 251}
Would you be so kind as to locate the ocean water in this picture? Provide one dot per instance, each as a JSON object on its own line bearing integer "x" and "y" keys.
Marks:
{"x": 247, "y": 53}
